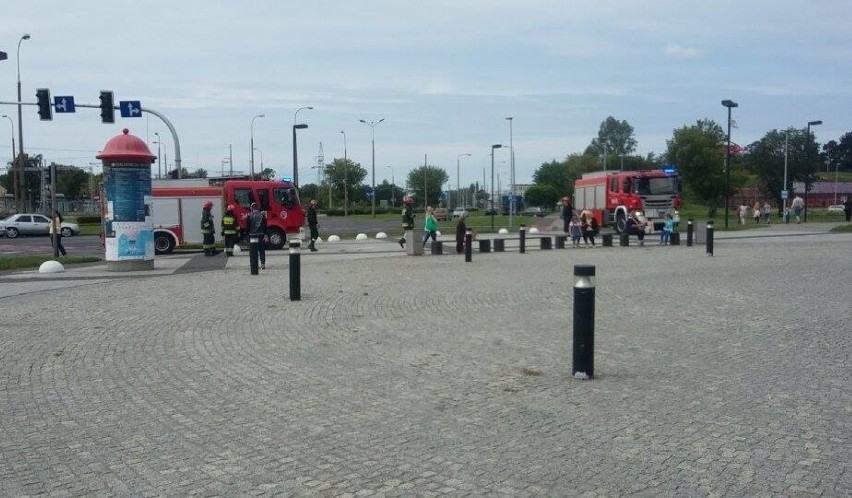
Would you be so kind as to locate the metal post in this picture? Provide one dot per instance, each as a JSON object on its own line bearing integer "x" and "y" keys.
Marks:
{"x": 523, "y": 233}
{"x": 584, "y": 322}
{"x": 253, "y": 241}
{"x": 468, "y": 246}
{"x": 295, "y": 270}
{"x": 53, "y": 208}
{"x": 689, "y": 232}
{"x": 729, "y": 104}
{"x": 808, "y": 165}
{"x": 710, "y": 237}
{"x": 20, "y": 189}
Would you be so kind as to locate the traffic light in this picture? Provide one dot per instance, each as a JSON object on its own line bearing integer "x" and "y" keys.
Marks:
{"x": 45, "y": 108}
{"x": 107, "y": 107}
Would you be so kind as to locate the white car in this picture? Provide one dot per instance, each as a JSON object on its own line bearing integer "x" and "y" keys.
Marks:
{"x": 33, "y": 224}
{"x": 457, "y": 212}
{"x": 837, "y": 208}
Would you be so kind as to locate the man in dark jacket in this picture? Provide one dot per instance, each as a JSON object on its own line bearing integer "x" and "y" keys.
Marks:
{"x": 461, "y": 231}
{"x": 567, "y": 213}
{"x": 256, "y": 228}
{"x": 407, "y": 218}
{"x": 208, "y": 230}
{"x": 313, "y": 224}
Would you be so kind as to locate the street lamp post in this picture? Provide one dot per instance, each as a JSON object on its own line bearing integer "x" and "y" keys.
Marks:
{"x": 729, "y": 104}
{"x": 295, "y": 151}
{"x": 158, "y": 141}
{"x": 345, "y": 177}
{"x": 493, "y": 209}
{"x": 12, "y": 124}
{"x": 19, "y": 189}
{"x": 252, "y": 145}
{"x": 372, "y": 125}
{"x": 393, "y": 188}
{"x": 808, "y": 163}
{"x": 458, "y": 177}
{"x": 511, "y": 172}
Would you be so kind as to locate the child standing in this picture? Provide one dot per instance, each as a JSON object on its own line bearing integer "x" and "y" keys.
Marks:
{"x": 575, "y": 230}
{"x": 666, "y": 232}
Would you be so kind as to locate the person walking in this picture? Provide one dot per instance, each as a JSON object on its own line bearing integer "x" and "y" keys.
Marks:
{"x": 587, "y": 222}
{"x": 430, "y": 226}
{"x": 767, "y": 212}
{"x": 256, "y": 228}
{"x": 208, "y": 230}
{"x": 461, "y": 231}
{"x": 407, "y": 218}
{"x": 743, "y": 212}
{"x": 313, "y": 224}
{"x": 755, "y": 212}
{"x": 230, "y": 228}
{"x": 847, "y": 208}
{"x": 567, "y": 214}
{"x": 56, "y": 234}
{"x": 797, "y": 206}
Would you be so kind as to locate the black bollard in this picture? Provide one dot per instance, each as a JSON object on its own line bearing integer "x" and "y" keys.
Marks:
{"x": 584, "y": 322}
{"x": 295, "y": 269}
{"x": 607, "y": 240}
{"x": 624, "y": 239}
{"x": 710, "y": 237}
{"x": 253, "y": 241}
{"x": 523, "y": 233}
{"x": 689, "y": 233}
{"x": 468, "y": 246}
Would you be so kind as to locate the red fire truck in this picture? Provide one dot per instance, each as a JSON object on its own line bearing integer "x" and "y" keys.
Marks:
{"x": 177, "y": 206}
{"x": 610, "y": 196}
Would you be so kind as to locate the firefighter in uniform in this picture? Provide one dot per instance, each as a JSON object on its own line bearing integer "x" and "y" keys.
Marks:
{"x": 312, "y": 224}
{"x": 208, "y": 230}
{"x": 407, "y": 218}
{"x": 256, "y": 228}
{"x": 230, "y": 227}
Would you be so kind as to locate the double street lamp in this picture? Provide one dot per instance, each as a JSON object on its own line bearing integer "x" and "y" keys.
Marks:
{"x": 372, "y": 125}
{"x": 493, "y": 209}
{"x": 252, "y": 145}
{"x": 295, "y": 151}
{"x": 19, "y": 188}
{"x": 808, "y": 163}
{"x": 729, "y": 104}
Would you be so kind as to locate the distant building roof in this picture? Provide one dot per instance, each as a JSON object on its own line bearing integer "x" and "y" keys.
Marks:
{"x": 825, "y": 187}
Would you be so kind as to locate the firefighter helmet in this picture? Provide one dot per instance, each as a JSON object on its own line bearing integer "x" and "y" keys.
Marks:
{"x": 208, "y": 205}
{"x": 230, "y": 207}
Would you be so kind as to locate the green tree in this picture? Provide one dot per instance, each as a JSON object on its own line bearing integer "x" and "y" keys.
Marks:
{"x": 71, "y": 181}
{"x": 267, "y": 174}
{"x": 32, "y": 178}
{"x": 310, "y": 191}
{"x": 615, "y": 139}
{"x": 765, "y": 159}
{"x": 387, "y": 192}
{"x": 430, "y": 178}
{"x": 338, "y": 171}
{"x": 541, "y": 195}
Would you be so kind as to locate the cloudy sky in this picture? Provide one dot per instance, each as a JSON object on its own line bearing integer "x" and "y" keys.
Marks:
{"x": 443, "y": 75}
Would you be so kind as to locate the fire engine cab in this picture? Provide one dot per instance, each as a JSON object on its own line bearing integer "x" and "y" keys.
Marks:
{"x": 177, "y": 206}
{"x": 610, "y": 196}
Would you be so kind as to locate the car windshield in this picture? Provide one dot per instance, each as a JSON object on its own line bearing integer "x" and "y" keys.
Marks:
{"x": 656, "y": 186}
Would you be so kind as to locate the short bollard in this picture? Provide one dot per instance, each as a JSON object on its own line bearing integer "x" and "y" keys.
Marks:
{"x": 468, "y": 246}
{"x": 560, "y": 241}
{"x": 295, "y": 270}
{"x": 607, "y": 239}
{"x": 710, "y": 238}
{"x": 437, "y": 247}
{"x": 546, "y": 243}
{"x": 689, "y": 233}
{"x": 584, "y": 322}
{"x": 499, "y": 245}
{"x": 484, "y": 245}
{"x": 523, "y": 233}
{"x": 674, "y": 238}
{"x": 624, "y": 239}
{"x": 253, "y": 241}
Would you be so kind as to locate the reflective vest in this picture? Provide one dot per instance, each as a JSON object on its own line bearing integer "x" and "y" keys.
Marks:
{"x": 206, "y": 222}
{"x": 229, "y": 224}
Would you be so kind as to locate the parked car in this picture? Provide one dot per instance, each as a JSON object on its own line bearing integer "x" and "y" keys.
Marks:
{"x": 533, "y": 211}
{"x": 441, "y": 214}
{"x": 33, "y": 224}
{"x": 490, "y": 212}
{"x": 837, "y": 208}
{"x": 458, "y": 212}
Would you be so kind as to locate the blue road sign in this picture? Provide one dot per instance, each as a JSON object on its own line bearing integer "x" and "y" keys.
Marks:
{"x": 130, "y": 108}
{"x": 64, "y": 104}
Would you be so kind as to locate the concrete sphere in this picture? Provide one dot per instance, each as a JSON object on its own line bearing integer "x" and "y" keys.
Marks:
{"x": 381, "y": 235}
{"x": 533, "y": 230}
{"x": 333, "y": 238}
{"x": 502, "y": 231}
{"x": 51, "y": 267}
{"x": 361, "y": 236}
{"x": 237, "y": 249}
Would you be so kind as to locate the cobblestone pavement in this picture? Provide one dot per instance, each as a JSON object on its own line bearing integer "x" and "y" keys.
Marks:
{"x": 723, "y": 375}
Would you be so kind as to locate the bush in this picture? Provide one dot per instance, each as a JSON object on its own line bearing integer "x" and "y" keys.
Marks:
{"x": 88, "y": 220}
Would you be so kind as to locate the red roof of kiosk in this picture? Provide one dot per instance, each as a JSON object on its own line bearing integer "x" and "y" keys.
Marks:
{"x": 126, "y": 148}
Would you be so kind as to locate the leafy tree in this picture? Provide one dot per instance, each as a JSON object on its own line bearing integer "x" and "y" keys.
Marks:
{"x": 388, "y": 192}
{"x": 341, "y": 169}
{"x": 765, "y": 159}
{"x": 615, "y": 138}
{"x": 561, "y": 175}
{"x": 267, "y": 174}
{"x": 32, "y": 177}
{"x": 309, "y": 191}
{"x": 541, "y": 195}
{"x": 430, "y": 178}
{"x": 71, "y": 181}
{"x": 198, "y": 173}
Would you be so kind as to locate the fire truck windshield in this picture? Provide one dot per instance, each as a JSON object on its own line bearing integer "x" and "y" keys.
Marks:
{"x": 656, "y": 186}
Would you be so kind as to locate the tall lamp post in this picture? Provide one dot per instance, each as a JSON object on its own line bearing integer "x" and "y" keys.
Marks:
{"x": 808, "y": 163}
{"x": 458, "y": 176}
{"x": 493, "y": 209}
{"x": 511, "y": 172}
{"x": 158, "y": 141}
{"x": 252, "y": 145}
{"x": 729, "y": 104}
{"x": 295, "y": 151}
{"x": 20, "y": 188}
{"x": 372, "y": 125}
{"x": 345, "y": 177}
{"x": 393, "y": 188}
{"x": 12, "y": 124}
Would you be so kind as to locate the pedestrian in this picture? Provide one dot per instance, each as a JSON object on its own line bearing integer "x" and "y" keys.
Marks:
{"x": 743, "y": 212}
{"x": 567, "y": 214}
{"x": 586, "y": 225}
{"x": 576, "y": 231}
{"x": 797, "y": 205}
{"x": 847, "y": 208}
{"x": 208, "y": 230}
{"x": 430, "y": 226}
{"x": 230, "y": 229}
{"x": 668, "y": 228}
{"x": 56, "y": 233}
{"x": 313, "y": 224}
{"x": 636, "y": 226}
{"x": 461, "y": 231}
{"x": 407, "y": 218}
{"x": 256, "y": 228}
{"x": 756, "y": 212}
{"x": 767, "y": 212}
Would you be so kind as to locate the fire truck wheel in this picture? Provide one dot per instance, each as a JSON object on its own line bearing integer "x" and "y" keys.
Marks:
{"x": 620, "y": 223}
{"x": 163, "y": 243}
{"x": 277, "y": 239}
